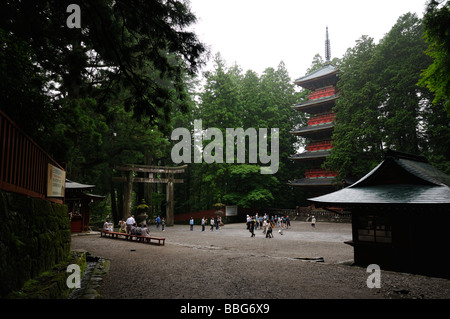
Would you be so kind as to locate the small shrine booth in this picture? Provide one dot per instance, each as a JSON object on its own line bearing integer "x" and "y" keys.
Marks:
{"x": 400, "y": 215}
{"x": 78, "y": 197}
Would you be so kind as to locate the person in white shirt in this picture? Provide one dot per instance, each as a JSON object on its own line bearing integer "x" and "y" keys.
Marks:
{"x": 203, "y": 223}
{"x": 107, "y": 226}
{"x": 130, "y": 221}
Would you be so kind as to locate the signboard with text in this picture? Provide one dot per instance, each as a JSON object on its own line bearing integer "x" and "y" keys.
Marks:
{"x": 231, "y": 211}
{"x": 56, "y": 181}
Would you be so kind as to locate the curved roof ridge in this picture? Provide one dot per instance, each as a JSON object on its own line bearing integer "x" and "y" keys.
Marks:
{"x": 325, "y": 70}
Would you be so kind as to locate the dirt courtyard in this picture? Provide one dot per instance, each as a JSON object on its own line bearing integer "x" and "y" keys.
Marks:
{"x": 229, "y": 264}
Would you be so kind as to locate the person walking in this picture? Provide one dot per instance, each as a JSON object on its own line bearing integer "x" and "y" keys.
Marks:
{"x": 212, "y": 223}
{"x": 264, "y": 226}
{"x": 191, "y": 222}
{"x": 217, "y": 222}
{"x": 288, "y": 222}
{"x": 163, "y": 223}
{"x": 313, "y": 221}
{"x": 252, "y": 227}
{"x": 158, "y": 221}
{"x": 203, "y": 223}
{"x": 269, "y": 230}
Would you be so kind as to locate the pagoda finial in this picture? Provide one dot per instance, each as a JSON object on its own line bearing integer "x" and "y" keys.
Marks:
{"x": 327, "y": 48}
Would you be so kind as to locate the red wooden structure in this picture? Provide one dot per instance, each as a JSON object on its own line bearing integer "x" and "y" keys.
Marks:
{"x": 23, "y": 163}
{"x": 319, "y": 173}
{"x": 78, "y": 200}
{"x": 321, "y": 119}
{"x": 319, "y": 146}
{"x": 323, "y": 92}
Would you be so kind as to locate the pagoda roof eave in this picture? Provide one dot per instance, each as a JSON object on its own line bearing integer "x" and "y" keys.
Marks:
{"x": 316, "y": 106}
{"x": 319, "y": 182}
{"x": 313, "y": 129}
{"x": 312, "y": 80}
{"x": 310, "y": 155}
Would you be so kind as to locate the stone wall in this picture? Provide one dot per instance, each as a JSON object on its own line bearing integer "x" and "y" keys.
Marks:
{"x": 34, "y": 237}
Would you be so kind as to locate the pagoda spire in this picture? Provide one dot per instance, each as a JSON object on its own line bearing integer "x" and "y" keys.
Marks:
{"x": 327, "y": 48}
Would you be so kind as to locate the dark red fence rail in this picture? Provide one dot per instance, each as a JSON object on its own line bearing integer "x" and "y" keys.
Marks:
{"x": 23, "y": 163}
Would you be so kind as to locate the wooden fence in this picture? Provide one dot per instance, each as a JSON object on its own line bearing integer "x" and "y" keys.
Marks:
{"x": 23, "y": 163}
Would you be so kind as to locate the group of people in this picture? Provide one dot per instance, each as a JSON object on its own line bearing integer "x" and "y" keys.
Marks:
{"x": 213, "y": 222}
{"x": 130, "y": 226}
{"x": 267, "y": 224}
{"x": 253, "y": 223}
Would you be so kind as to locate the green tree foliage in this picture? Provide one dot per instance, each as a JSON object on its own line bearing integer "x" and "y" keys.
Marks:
{"x": 401, "y": 58}
{"x": 357, "y": 135}
{"x": 437, "y": 32}
{"x": 233, "y": 99}
{"x": 381, "y": 105}
{"x": 137, "y": 47}
{"x": 104, "y": 94}
{"x": 22, "y": 85}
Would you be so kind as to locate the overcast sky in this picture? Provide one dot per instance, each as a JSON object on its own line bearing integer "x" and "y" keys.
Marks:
{"x": 257, "y": 34}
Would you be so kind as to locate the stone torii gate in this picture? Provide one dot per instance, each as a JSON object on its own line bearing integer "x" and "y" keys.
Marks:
{"x": 130, "y": 179}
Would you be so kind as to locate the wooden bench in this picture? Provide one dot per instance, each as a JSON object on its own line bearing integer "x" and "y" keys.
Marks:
{"x": 144, "y": 239}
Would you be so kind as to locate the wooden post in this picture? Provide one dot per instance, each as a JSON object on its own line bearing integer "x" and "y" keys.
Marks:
{"x": 169, "y": 200}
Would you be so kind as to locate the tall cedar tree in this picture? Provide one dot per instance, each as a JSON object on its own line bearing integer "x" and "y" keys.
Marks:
{"x": 381, "y": 105}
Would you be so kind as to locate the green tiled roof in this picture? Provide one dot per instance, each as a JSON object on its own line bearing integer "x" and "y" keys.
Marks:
{"x": 399, "y": 179}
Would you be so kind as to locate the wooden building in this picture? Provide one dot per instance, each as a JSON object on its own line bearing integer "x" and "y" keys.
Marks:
{"x": 78, "y": 198}
{"x": 400, "y": 215}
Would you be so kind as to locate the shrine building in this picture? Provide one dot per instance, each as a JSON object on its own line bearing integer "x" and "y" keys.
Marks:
{"x": 400, "y": 215}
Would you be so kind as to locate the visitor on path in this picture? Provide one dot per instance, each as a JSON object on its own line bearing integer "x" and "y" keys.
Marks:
{"x": 145, "y": 231}
{"x": 288, "y": 222}
{"x": 269, "y": 230}
{"x": 107, "y": 226}
{"x": 122, "y": 226}
{"x": 264, "y": 226}
{"x": 133, "y": 229}
{"x": 203, "y": 223}
{"x": 139, "y": 230}
{"x": 163, "y": 223}
{"x": 212, "y": 223}
{"x": 252, "y": 227}
{"x": 130, "y": 222}
{"x": 313, "y": 221}
{"x": 158, "y": 221}
{"x": 191, "y": 222}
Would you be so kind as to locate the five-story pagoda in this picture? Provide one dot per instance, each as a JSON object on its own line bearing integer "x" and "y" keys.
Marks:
{"x": 318, "y": 132}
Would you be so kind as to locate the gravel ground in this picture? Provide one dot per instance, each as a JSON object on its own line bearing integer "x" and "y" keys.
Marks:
{"x": 229, "y": 264}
